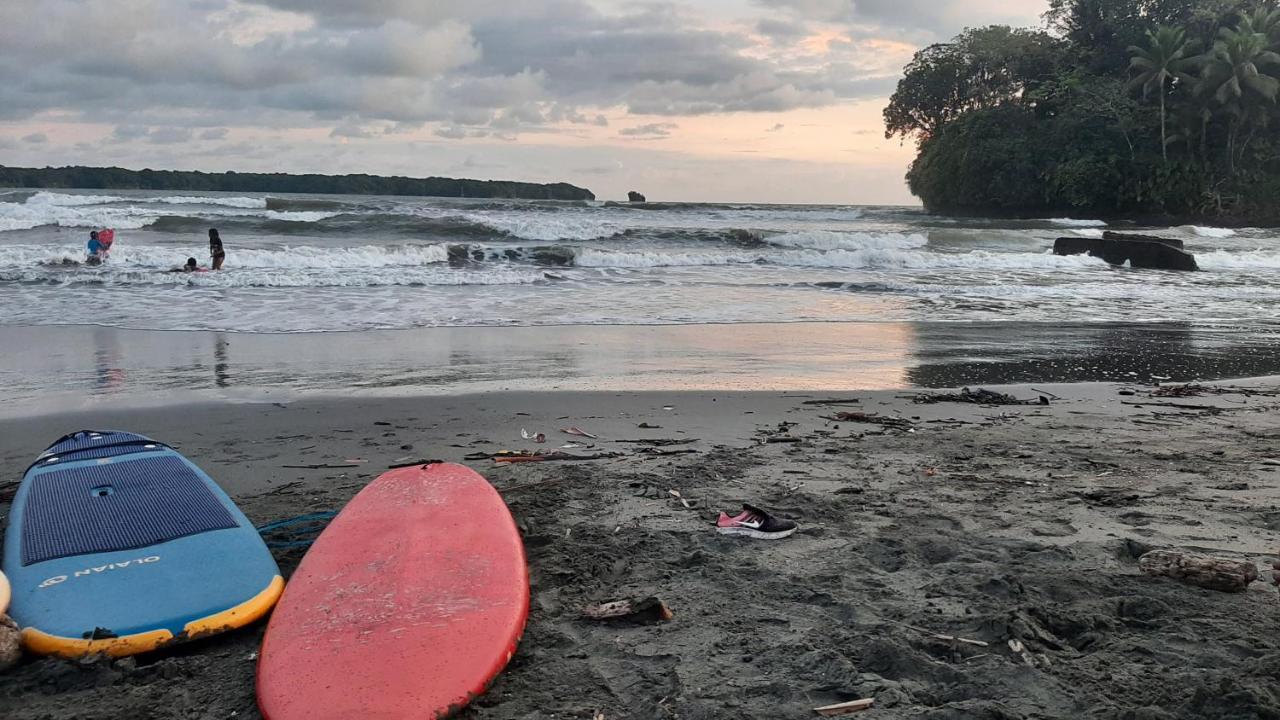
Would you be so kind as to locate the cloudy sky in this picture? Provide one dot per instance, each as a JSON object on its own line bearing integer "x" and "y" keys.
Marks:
{"x": 714, "y": 100}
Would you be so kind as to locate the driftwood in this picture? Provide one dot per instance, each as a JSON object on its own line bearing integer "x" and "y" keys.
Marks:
{"x": 1214, "y": 573}
{"x": 872, "y": 419}
{"x": 847, "y": 708}
{"x": 981, "y": 396}
{"x": 833, "y": 401}
{"x": 649, "y": 609}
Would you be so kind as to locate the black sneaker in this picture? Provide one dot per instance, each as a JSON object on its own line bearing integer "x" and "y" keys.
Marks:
{"x": 756, "y": 523}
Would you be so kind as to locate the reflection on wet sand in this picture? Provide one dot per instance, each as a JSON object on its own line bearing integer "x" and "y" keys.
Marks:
{"x": 50, "y": 367}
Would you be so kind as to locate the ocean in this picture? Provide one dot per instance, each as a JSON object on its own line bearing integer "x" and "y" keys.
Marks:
{"x": 329, "y": 293}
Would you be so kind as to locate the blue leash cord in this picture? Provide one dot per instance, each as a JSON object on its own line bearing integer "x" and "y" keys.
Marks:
{"x": 321, "y": 519}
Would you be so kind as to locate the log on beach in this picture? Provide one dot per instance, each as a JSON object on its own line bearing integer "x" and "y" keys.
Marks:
{"x": 1210, "y": 572}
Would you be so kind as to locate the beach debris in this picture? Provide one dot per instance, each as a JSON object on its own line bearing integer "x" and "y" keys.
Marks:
{"x": 647, "y": 426}
{"x": 10, "y": 645}
{"x": 833, "y": 401}
{"x": 649, "y": 609}
{"x": 661, "y": 442}
{"x": 1214, "y": 573}
{"x": 536, "y": 437}
{"x": 873, "y": 419}
{"x": 980, "y": 396}
{"x": 1209, "y": 409}
{"x": 578, "y": 432}
{"x": 323, "y": 466}
{"x": 659, "y": 452}
{"x": 523, "y": 456}
{"x": 846, "y": 708}
{"x": 688, "y": 503}
{"x": 410, "y": 462}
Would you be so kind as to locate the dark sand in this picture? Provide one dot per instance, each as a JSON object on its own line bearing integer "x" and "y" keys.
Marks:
{"x": 989, "y": 523}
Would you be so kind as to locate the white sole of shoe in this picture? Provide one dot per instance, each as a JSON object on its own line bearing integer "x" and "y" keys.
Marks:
{"x": 757, "y": 534}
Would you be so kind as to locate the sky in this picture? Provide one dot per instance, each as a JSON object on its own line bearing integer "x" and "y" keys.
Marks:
{"x": 695, "y": 100}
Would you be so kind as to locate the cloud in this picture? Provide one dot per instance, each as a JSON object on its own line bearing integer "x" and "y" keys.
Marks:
{"x": 776, "y": 128}
{"x": 353, "y": 130}
{"x": 37, "y": 138}
{"x": 451, "y": 132}
{"x": 296, "y": 63}
{"x": 214, "y": 134}
{"x": 650, "y": 131}
{"x": 169, "y": 135}
{"x": 942, "y": 18}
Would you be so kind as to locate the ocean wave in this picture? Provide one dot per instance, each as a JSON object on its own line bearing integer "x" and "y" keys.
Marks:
{"x": 1239, "y": 260}
{"x": 69, "y": 200}
{"x": 1072, "y": 222}
{"x": 247, "y": 203}
{"x": 829, "y": 240}
{"x": 113, "y": 275}
{"x": 1095, "y": 233}
{"x": 1211, "y": 232}
{"x": 869, "y": 258}
{"x": 27, "y": 216}
{"x": 547, "y": 227}
{"x": 152, "y": 258}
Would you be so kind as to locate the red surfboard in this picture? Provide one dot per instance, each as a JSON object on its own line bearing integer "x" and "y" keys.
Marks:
{"x": 407, "y": 606}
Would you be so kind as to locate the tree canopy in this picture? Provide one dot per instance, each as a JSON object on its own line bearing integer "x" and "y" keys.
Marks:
{"x": 121, "y": 179}
{"x": 1115, "y": 107}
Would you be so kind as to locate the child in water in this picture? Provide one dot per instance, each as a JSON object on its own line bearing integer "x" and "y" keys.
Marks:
{"x": 97, "y": 251}
{"x": 191, "y": 266}
{"x": 215, "y": 249}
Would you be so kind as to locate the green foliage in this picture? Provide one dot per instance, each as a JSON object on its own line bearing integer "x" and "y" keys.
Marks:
{"x": 1116, "y": 112}
{"x": 121, "y": 179}
{"x": 979, "y": 69}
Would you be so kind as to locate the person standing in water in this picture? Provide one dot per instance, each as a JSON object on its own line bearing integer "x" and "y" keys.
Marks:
{"x": 95, "y": 249}
{"x": 215, "y": 249}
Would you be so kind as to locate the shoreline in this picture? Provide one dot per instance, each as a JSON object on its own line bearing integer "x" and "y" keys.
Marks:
{"x": 988, "y": 523}
{"x": 52, "y": 369}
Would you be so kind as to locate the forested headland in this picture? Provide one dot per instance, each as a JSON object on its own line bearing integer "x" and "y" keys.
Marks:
{"x": 1114, "y": 108}
{"x": 114, "y": 178}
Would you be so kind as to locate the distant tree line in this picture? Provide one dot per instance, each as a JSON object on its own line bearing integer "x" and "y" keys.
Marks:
{"x": 1118, "y": 107}
{"x": 115, "y": 178}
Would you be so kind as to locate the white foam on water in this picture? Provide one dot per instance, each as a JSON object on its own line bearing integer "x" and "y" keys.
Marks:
{"x": 235, "y": 202}
{"x": 547, "y": 227}
{"x": 1073, "y": 222}
{"x": 828, "y": 240}
{"x": 69, "y": 200}
{"x": 1088, "y": 233}
{"x": 869, "y": 258}
{"x": 1265, "y": 260}
{"x": 299, "y": 215}
{"x": 1211, "y": 232}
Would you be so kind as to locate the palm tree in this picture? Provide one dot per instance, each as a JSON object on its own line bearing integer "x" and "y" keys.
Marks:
{"x": 1235, "y": 74}
{"x": 1262, "y": 21}
{"x": 1166, "y": 57}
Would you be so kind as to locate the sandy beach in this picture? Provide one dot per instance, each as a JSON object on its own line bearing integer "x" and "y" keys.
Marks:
{"x": 988, "y": 523}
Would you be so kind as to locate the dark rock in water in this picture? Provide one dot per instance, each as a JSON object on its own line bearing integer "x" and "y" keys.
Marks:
{"x": 634, "y": 196}
{"x": 1173, "y": 242}
{"x": 1140, "y": 251}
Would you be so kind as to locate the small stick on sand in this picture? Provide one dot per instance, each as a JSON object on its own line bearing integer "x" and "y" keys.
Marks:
{"x": 323, "y": 466}
{"x": 848, "y": 708}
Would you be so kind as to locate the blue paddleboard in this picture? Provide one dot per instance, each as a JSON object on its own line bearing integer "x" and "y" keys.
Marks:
{"x": 117, "y": 544}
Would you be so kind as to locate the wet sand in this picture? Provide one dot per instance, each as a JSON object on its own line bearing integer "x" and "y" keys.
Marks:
{"x": 988, "y": 523}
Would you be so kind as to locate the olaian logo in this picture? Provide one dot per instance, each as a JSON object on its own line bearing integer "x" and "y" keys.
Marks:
{"x": 59, "y": 579}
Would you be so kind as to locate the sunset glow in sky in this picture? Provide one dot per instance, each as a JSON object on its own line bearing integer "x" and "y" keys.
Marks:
{"x": 709, "y": 100}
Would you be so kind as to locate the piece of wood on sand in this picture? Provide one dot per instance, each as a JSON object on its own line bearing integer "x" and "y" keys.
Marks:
{"x": 1206, "y": 571}
{"x": 847, "y": 708}
{"x": 649, "y": 609}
